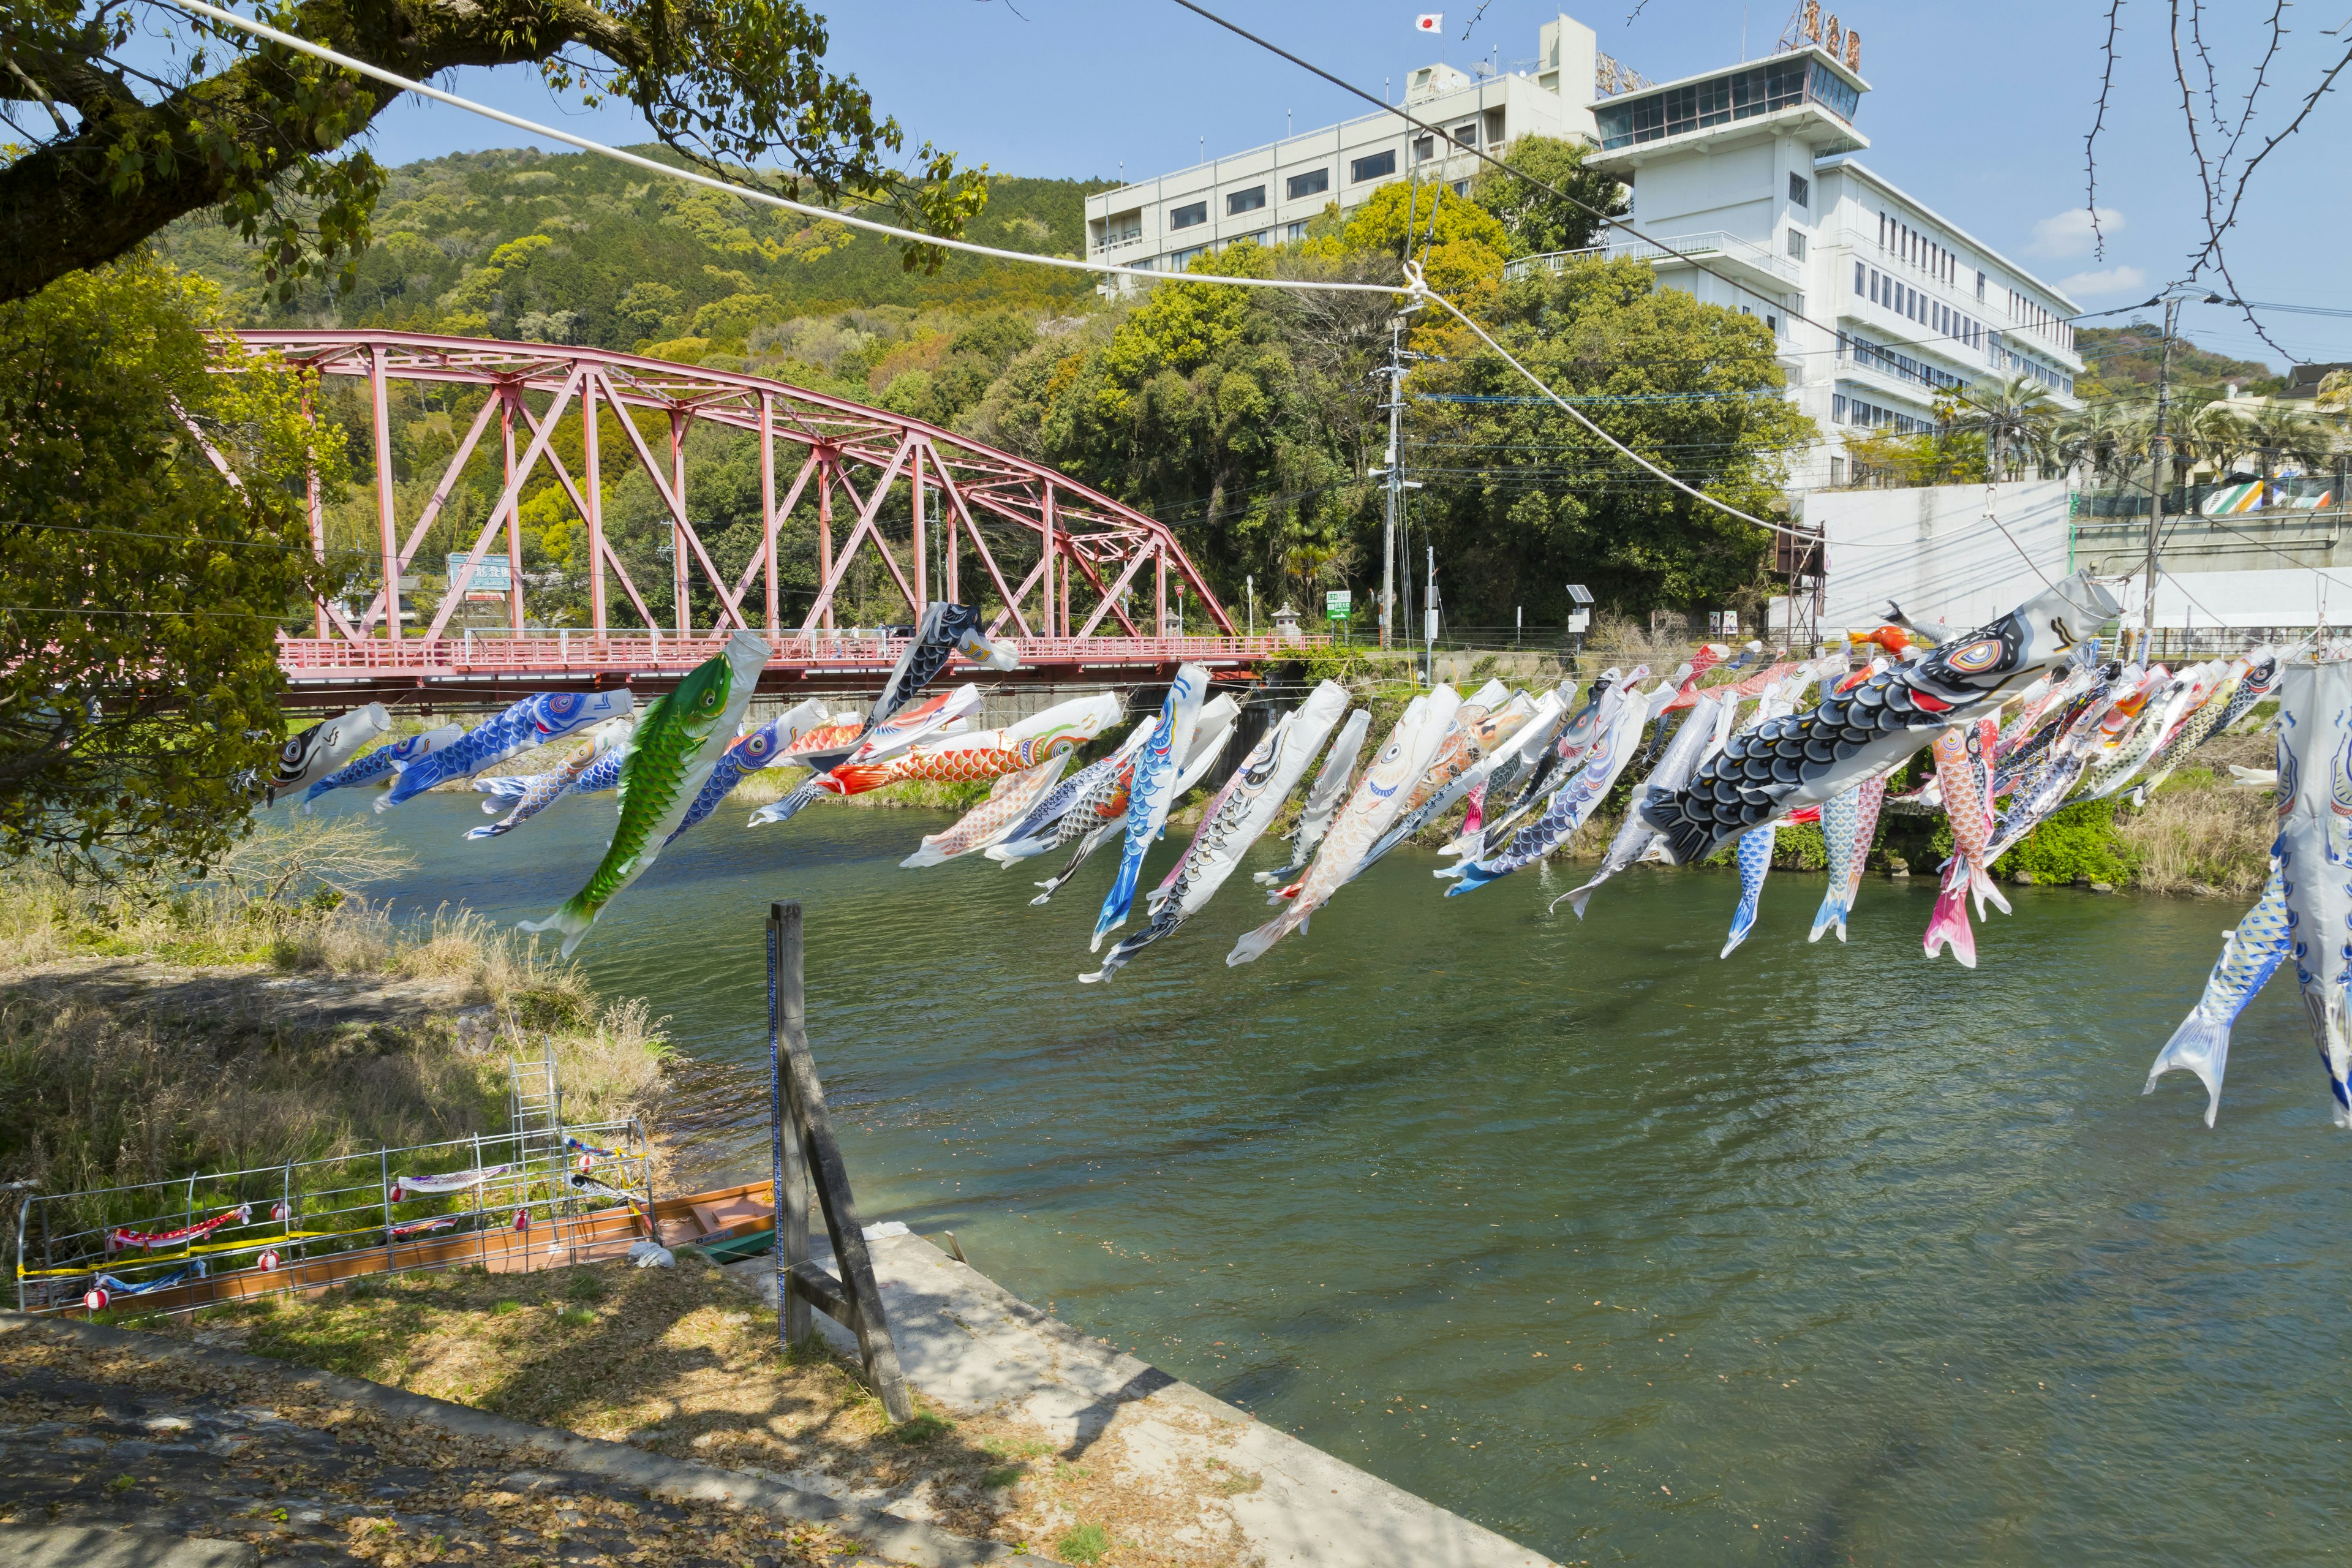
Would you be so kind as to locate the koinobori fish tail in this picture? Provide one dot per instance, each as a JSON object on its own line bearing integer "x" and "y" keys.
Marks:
{"x": 2249, "y": 955}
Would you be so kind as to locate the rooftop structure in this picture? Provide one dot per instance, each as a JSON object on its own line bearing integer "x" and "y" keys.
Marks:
{"x": 1269, "y": 193}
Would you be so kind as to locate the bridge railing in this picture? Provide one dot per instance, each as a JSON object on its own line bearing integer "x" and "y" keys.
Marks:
{"x": 566, "y": 651}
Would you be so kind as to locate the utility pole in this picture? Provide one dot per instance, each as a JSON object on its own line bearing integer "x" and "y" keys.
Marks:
{"x": 1429, "y": 619}
{"x": 2157, "y": 455}
{"x": 1395, "y": 372}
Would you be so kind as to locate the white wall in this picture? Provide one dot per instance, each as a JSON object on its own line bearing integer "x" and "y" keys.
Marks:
{"x": 2288, "y": 596}
{"x": 1932, "y": 551}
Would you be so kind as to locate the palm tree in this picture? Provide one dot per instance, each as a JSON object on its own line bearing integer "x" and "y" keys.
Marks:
{"x": 2105, "y": 441}
{"x": 2016, "y": 418}
{"x": 2286, "y": 433}
{"x": 2214, "y": 434}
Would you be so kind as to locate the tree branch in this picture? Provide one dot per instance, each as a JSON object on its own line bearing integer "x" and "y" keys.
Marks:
{"x": 79, "y": 201}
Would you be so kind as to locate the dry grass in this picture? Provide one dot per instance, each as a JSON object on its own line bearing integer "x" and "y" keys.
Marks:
{"x": 683, "y": 1362}
{"x": 145, "y": 1034}
{"x": 2196, "y": 837}
{"x": 389, "y": 1491}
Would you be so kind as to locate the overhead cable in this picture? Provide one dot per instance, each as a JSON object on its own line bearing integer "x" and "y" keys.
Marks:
{"x": 730, "y": 187}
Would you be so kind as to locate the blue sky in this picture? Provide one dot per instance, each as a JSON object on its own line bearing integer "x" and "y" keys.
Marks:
{"x": 1981, "y": 113}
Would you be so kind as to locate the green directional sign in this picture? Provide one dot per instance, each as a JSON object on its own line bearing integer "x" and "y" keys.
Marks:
{"x": 1335, "y": 603}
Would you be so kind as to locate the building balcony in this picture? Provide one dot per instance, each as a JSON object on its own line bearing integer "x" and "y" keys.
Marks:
{"x": 1715, "y": 248}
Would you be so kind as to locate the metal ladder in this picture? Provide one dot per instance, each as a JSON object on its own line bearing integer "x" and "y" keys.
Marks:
{"x": 535, "y": 1113}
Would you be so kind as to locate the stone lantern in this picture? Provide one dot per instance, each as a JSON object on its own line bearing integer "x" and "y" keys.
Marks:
{"x": 1285, "y": 624}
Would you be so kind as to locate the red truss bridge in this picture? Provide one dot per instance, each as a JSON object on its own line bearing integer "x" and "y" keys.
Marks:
{"x": 943, "y": 515}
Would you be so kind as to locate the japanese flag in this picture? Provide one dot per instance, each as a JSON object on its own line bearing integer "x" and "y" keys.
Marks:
{"x": 1430, "y": 22}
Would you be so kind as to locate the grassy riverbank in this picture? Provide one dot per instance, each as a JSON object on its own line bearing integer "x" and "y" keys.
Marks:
{"x": 271, "y": 1013}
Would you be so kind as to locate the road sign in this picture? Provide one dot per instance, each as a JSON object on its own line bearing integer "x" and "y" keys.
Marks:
{"x": 1335, "y": 603}
{"x": 490, "y": 573}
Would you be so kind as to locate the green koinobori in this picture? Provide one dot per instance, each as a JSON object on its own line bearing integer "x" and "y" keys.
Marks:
{"x": 679, "y": 740}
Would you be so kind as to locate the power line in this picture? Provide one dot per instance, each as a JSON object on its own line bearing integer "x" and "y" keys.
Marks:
{"x": 729, "y": 187}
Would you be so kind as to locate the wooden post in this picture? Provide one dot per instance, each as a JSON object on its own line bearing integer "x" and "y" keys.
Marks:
{"x": 852, "y": 1300}
{"x": 788, "y": 1164}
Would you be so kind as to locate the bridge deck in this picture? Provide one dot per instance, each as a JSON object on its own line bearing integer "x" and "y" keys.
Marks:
{"x": 335, "y": 672}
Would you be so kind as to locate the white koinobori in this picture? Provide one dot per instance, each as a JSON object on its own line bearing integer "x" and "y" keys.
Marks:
{"x": 2315, "y": 854}
{"x": 1153, "y": 792}
{"x": 1375, "y": 804}
{"x": 1243, "y": 810}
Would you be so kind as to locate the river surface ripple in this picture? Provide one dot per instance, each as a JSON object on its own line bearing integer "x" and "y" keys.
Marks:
{"x": 1818, "y": 1254}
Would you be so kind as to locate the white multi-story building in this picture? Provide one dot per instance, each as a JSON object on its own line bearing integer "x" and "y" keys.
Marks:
{"x": 1268, "y": 194}
{"x": 1746, "y": 182}
{"x": 1749, "y": 189}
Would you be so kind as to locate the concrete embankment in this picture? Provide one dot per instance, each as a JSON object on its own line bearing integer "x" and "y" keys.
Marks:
{"x": 1211, "y": 1471}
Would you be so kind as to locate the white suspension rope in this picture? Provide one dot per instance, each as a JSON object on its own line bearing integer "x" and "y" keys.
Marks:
{"x": 749, "y": 193}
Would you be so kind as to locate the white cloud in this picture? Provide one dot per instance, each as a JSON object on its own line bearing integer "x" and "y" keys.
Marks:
{"x": 2105, "y": 280}
{"x": 2068, "y": 235}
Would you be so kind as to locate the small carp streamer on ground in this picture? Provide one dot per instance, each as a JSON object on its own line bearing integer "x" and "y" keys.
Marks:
{"x": 2016, "y": 719}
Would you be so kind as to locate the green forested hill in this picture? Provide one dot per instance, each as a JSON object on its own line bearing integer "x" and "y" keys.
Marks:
{"x": 576, "y": 248}
{"x": 2126, "y": 358}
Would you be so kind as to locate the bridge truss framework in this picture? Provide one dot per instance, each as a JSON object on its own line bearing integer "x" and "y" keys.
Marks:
{"x": 1075, "y": 555}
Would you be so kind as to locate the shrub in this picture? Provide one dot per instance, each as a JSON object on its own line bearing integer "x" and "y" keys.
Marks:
{"x": 2077, "y": 843}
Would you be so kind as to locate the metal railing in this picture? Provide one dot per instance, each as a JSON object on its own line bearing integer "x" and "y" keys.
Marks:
{"x": 567, "y": 651}
{"x": 1705, "y": 245}
{"x": 219, "y": 1236}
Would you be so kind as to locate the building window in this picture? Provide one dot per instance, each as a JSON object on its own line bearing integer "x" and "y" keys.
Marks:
{"x": 1247, "y": 201}
{"x": 1797, "y": 243}
{"x": 1184, "y": 259}
{"x": 1378, "y": 166}
{"x": 1314, "y": 183}
{"x": 1188, "y": 215}
{"x": 1980, "y": 283}
{"x": 1860, "y": 278}
{"x": 1801, "y": 190}
{"x": 1425, "y": 148}
{"x": 1837, "y": 408}
{"x": 1462, "y": 187}
{"x": 1467, "y": 133}
{"x": 1783, "y": 83}
{"x": 1296, "y": 232}
{"x": 1837, "y": 467}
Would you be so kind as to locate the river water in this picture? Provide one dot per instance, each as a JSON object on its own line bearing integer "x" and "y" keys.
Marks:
{"x": 1818, "y": 1254}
